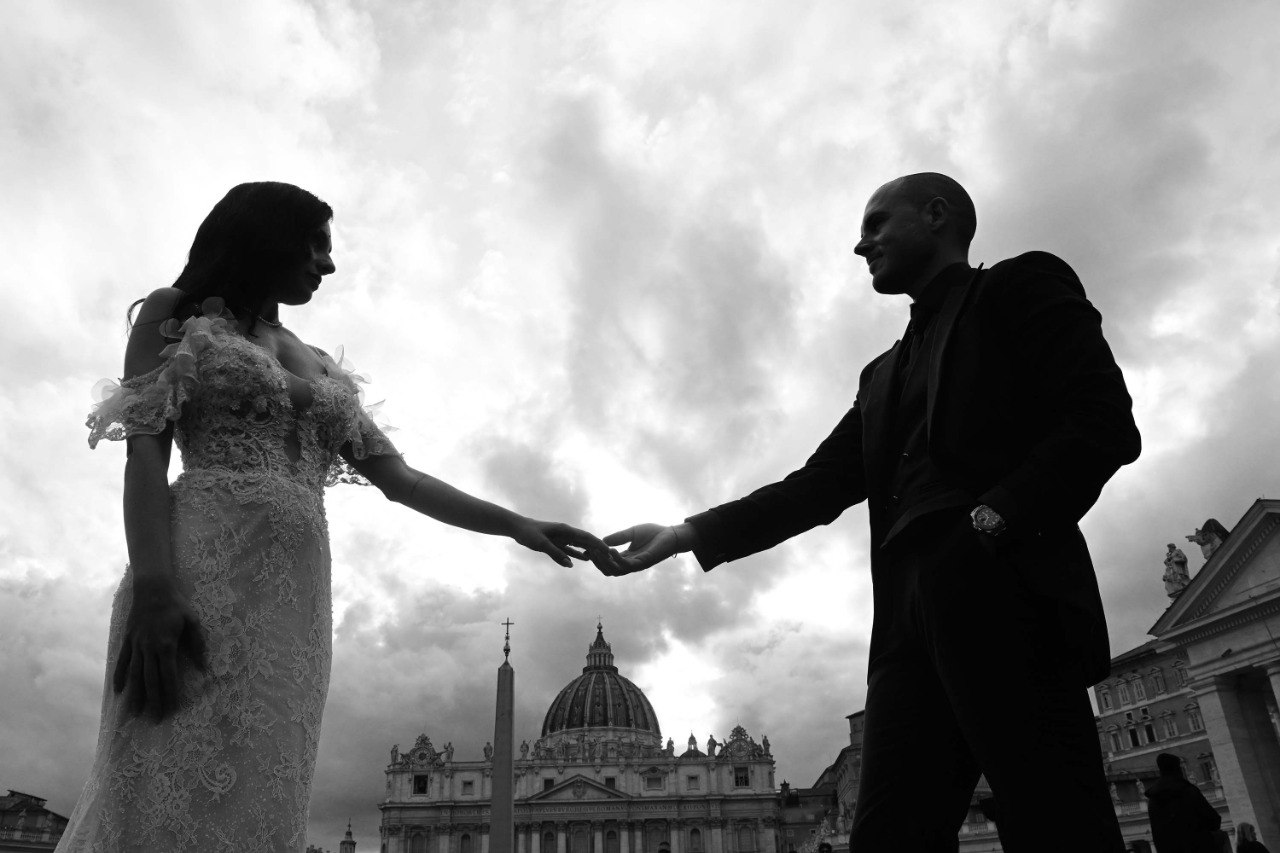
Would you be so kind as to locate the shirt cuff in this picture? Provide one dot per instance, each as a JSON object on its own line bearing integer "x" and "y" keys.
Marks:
{"x": 711, "y": 550}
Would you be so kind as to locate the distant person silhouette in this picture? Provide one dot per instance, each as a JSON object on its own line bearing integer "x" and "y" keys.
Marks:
{"x": 1247, "y": 840}
{"x": 1182, "y": 821}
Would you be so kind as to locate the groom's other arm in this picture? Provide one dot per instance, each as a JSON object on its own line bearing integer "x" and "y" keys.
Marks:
{"x": 1058, "y": 345}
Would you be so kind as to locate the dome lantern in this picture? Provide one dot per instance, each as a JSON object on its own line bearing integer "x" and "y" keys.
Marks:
{"x": 600, "y": 653}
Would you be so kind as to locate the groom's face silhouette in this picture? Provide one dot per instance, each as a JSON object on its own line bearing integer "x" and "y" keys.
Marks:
{"x": 899, "y": 239}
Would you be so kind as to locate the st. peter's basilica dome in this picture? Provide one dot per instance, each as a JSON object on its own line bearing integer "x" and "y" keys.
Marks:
{"x": 599, "y": 699}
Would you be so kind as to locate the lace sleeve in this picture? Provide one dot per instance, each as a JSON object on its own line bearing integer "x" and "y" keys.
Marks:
{"x": 145, "y": 404}
{"x": 365, "y": 435}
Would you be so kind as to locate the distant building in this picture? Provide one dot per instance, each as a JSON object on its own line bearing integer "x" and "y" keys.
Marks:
{"x": 1145, "y": 707}
{"x": 804, "y": 815}
{"x": 598, "y": 780}
{"x": 26, "y": 825}
{"x": 347, "y": 845}
{"x": 1206, "y": 687}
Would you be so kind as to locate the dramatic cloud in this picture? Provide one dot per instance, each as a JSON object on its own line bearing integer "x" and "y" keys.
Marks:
{"x": 597, "y": 260}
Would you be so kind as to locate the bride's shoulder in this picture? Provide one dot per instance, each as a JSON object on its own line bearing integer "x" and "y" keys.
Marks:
{"x": 159, "y": 305}
{"x": 146, "y": 341}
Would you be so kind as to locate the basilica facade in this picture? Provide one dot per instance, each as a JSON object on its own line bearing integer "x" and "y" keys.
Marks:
{"x": 599, "y": 779}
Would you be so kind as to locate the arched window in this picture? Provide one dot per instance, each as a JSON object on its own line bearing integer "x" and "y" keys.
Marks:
{"x": 418, "y": 843}
{"x": 695, "y": 840}
{"x": 1104, "y": 698}
{"x": 1113, "y": 739}
{"x": 1139, "y": 689}
{"x": 746, "y": 838}
{"x": 548, "y": 842}
{"x": 579, "y": 842}
{"x": 611, "y": 842}
{"x": 464, "y": 843}
{"x": 1123, "y": 690}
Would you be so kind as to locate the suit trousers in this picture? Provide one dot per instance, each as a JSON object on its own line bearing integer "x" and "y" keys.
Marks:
{"x": 968, "y": 676}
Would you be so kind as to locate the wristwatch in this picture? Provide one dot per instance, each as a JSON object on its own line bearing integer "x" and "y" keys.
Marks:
{"x": 987, "y": 520}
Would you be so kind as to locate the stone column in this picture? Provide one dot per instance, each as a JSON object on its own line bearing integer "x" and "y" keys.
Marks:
{"x": 1273, "y": 675}
{"x": 624, "y": 837}
{"x": 717, "y": 837}
{"x": 597, "y": 837}
{"x": 675, "y": 836}
{"x": 445, "y": 832}
{"x": 1246, "y": 753}
{"x": 768, "y": 836}
{"x": 535, "y": 838}
{"x": 522, "y": 830}
{"x": 562, "y": 837}
{"x": 484, "y": 832}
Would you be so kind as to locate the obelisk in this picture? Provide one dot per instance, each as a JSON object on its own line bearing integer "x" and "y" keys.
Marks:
{"x": 502, "y": 834}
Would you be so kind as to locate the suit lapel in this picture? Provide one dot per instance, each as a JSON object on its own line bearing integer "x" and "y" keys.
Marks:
{"x": 878, "y": 413}
{"x": 948, "y": 316}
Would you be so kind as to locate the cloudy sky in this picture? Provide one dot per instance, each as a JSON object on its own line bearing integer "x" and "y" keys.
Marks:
{"x": 597, "y": 258}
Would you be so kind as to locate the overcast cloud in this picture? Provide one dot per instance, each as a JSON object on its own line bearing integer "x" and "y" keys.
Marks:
{"x": 597, "y": 258}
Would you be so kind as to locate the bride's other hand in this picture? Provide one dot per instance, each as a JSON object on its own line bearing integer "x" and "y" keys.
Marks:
{"x": 161, "y": 627}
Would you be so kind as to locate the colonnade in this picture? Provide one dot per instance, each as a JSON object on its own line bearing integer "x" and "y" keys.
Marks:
{"x": 681, "y": 835}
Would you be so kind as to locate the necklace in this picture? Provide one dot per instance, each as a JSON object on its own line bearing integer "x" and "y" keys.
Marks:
{"x": 275, "y": 324}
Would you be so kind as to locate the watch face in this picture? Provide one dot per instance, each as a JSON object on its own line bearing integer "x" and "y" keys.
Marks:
{"x": 987, "y": 518}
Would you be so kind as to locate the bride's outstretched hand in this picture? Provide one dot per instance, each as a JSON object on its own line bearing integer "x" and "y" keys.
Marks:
{"x": 161, "y": 626}
{"x": 558, "y": 541}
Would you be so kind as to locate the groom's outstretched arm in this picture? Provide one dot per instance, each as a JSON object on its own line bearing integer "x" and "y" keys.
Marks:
{"x": 831, "y": 481}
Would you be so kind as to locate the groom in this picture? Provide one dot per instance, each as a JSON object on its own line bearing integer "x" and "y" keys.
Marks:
{"x": 979, "y": 440}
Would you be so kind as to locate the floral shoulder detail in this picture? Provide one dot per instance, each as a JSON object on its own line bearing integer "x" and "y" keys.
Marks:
{"x": 146, "y": 404}
{"x": 367, "y": 431}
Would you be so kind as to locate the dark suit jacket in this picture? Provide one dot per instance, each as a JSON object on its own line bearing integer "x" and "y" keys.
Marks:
{"x": 1027, "y": 412}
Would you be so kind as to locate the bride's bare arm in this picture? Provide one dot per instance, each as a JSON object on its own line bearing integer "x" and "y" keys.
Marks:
{"x": 161, "y": 624}
{"x": 441, "y": 501}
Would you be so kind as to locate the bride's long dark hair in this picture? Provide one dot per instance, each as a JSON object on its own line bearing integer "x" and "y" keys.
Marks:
{"x": 257, "y": 232}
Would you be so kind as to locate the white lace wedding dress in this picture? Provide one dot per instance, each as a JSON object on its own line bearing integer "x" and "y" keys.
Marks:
{"x": 232, "y": 769}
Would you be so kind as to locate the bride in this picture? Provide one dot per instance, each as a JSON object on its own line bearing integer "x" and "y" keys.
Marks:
{"x": 219, "y": 649}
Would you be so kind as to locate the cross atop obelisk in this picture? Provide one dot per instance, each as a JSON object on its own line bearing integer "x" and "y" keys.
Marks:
{"x": 506, "y": 646}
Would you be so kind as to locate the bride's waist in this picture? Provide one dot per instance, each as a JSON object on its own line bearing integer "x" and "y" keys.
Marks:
{"x": 240, "y": 480}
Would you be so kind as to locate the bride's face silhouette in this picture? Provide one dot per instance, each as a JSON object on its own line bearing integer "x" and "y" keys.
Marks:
{"x": 299, "y": 284}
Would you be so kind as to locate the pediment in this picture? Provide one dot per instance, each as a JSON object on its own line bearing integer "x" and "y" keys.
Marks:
{"x": 1244, "y": 571}
{"x": 577, "y": 788}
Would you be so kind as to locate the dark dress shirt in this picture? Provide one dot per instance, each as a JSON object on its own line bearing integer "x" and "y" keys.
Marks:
{"x": 917, "y": 487}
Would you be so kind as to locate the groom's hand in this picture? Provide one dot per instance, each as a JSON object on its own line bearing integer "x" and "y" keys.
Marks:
{"x": 648, "y": 544}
